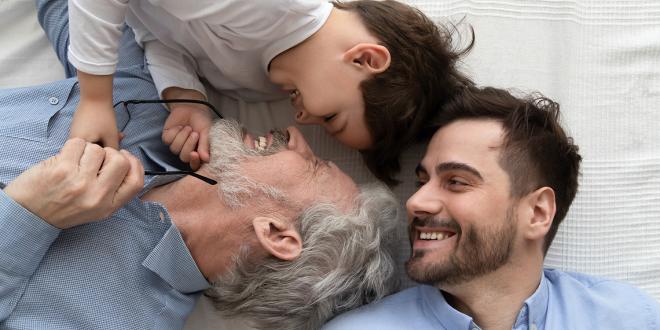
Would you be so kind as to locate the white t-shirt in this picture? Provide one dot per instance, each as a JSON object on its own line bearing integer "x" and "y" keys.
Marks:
{"x": 227, "y": 42}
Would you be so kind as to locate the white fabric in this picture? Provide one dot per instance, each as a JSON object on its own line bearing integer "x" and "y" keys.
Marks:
{"x": 26, "y": 57}
{"x": 599, "y": 59}
{"x": 229, "y": 43}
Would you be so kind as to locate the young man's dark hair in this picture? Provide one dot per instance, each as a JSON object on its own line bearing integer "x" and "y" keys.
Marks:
{"x": 536, "y": 152}
{"x": 400, "y": 101}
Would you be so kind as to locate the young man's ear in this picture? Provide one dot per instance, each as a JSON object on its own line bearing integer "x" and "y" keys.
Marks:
{"x": 278, "y": 237}
{"x": 540, "y": 210}
{"x": 370, "y": 58}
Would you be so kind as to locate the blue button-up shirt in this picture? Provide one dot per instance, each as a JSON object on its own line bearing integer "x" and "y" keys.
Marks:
{"x": 563, "y": 300}
{"x": 130, "y": 271}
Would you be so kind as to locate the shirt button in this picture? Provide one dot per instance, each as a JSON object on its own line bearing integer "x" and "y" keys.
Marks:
{"x": 53, "y": 100}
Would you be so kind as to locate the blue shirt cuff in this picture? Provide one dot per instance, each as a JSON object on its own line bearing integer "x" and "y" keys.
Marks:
{"x": 24, "y": 237}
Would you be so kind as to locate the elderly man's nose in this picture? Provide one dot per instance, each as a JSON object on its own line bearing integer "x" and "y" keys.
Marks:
{"x": 298, "y": 143}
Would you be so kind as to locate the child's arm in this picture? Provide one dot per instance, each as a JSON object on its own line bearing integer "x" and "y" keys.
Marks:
{"x": 94, "y": 119}
{"x": 95, "y": 28}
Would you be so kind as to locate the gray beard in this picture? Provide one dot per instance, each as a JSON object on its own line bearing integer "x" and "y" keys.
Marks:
{"x": 228, "y": 152}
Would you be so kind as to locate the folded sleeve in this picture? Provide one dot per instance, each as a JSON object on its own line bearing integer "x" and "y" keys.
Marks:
{"x": 171, "y": 68}
{"x": 95, "y": 27}
{"x": 24, "y": 240}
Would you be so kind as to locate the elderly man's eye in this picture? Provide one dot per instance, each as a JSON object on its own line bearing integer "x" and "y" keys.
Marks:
{"x": 330, "y": 117}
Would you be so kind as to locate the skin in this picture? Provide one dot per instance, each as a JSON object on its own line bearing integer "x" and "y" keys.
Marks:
{"x": 475, "y": 192}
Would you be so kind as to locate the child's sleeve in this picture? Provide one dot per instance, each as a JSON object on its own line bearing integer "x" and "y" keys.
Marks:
{"x": 95, "y": 27}
{"x": 170, "y": 68}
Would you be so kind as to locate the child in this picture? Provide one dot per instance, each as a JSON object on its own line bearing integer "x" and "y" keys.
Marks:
{"x": 371, "y": 72}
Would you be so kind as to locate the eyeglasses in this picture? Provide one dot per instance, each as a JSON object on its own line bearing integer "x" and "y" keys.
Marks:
{"x": 127, "y": 106}
{"x": 191, "y": 173}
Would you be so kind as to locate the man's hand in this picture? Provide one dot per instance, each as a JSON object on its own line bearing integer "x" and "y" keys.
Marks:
{"x": 186, "y": 130}
{"x": 83, "y": 183}
{"x": 95, "y": 122}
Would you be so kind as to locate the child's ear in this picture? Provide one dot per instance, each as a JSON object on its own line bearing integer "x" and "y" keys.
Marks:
{"x": 368, "y": 57}
{"x": 278, "y": 237}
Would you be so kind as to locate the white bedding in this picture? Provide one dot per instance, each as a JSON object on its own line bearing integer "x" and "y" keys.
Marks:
{"x": 599, "y": 59}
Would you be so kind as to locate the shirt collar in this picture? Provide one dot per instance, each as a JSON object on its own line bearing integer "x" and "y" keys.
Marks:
{"x": 446, "y": 315}
{"x": 172, "y": 261}
{"x": 534, "y": 310}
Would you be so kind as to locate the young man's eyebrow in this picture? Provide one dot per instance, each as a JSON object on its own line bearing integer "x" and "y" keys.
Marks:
{"x": 453, "y": 166}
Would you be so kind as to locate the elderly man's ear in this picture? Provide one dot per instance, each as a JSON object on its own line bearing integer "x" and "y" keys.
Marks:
{"x": 278, "y": 237}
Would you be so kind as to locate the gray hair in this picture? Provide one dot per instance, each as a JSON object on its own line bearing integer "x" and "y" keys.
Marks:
{"x": 347, "y": 261}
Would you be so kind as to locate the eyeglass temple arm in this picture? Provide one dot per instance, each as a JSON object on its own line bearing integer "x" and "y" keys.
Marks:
{"x": 191, "y": 173}
{"x": 217, "y": 113}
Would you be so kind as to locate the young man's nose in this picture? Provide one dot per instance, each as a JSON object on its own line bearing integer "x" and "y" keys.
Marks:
{"x": 298, "y": 143}
{"x": 424, "y": 203}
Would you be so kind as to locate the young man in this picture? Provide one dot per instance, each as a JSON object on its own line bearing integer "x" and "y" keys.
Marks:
{"x": 370, "y": 72}
{"x": 498, "y": 177}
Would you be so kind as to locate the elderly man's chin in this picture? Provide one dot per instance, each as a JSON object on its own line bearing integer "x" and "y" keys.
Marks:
{"x": 231, "y": 146}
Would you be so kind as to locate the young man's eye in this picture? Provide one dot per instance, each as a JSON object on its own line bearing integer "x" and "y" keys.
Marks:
{"x": 419, "y": 183}
{"x": 456, "y": 183}
{"x": 330, "y": 117}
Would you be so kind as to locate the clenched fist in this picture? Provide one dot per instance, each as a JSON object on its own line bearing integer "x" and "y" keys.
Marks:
{"x": 81, "y": 184}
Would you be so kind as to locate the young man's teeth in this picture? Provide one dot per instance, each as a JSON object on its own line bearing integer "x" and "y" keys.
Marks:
{"x": 439, "y": 236}
{"x": 260, "y": 143}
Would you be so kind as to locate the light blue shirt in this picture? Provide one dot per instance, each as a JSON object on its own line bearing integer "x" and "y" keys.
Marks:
{"x": 563, "y": 300}
{"x": 130, "y": 271}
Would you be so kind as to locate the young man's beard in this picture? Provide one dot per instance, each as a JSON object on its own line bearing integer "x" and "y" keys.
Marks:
{"x": 477, "y": 253}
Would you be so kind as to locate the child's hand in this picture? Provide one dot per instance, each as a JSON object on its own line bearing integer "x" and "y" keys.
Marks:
{"x": 186, "y": 131}
{"x": 95, "y": 122}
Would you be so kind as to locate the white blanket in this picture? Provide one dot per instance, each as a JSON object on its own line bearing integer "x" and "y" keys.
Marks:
{"x": 599, "y": 59}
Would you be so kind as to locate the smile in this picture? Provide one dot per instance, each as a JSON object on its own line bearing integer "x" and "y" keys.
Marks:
{"x": 434, "y": 236}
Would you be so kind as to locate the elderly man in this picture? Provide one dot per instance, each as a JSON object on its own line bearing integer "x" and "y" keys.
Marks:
{"x": 286, "y": 240}
{"x": 497, "y": 179}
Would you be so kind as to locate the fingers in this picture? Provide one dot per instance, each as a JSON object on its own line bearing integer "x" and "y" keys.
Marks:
{"x": 203, "y": 146}
{"x": 170, "y": 133}
{"x": 189, "y": 146}
{"x": 72, "y": 150}
{"x": 91, "y": 160}
{"x": 195, "y": 161}
{"x": 114, "y": 170}
{"x": 133, "y": 181}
